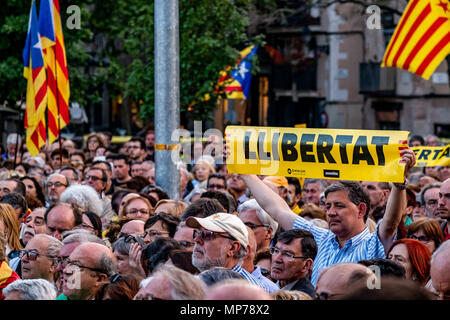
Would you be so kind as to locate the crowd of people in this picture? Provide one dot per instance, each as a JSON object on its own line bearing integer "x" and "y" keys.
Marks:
{"x": 85, "y": 220}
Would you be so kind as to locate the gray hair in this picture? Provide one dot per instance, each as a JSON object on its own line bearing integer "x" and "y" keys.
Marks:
{"x": 263, "y": 216}
{"x": 184, "y": 285}
{"x": 53, "y": 246}
{"x": 32, "y": 289}
{"x": 81, "y": 236}
{"x": 123, "y": 246}
{"x": 240, "y": 255}
{"x": 40, "y": 163}
{"x": 84, "y": 196}
{"x": 107, "y": 264}
{"x": 218, "y": 274}
{"x": 150, "y": 162}
{"x": 444, "y": 248}
{"x": 426, "y": 188}
{"x": 321, "y": 183}
{"x": 12, "y": 139}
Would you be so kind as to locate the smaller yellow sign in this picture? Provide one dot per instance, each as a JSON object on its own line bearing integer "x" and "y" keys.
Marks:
{"x": 432, "y": 156}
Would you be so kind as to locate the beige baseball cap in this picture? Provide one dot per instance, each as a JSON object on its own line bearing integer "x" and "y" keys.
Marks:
{"x": 222, "y": 222}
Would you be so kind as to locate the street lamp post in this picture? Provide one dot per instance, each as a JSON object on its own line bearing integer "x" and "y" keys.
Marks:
{"x": 167, "y": 93}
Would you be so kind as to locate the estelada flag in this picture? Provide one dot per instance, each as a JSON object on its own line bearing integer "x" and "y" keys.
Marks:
{"x": 421, "y": 40}
{"x": 50, "y": 29}
{"x": 238, "y": 86}
{"x": 34, "y": 72}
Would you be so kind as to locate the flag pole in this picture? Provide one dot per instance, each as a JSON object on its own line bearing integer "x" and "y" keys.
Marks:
{"x": 59, "y": 120}
{"x": 17, "y": 137}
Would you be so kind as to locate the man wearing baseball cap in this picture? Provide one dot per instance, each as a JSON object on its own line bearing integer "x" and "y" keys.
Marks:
{"x": 281, "y": 186}
{"x": 221, "y": 240}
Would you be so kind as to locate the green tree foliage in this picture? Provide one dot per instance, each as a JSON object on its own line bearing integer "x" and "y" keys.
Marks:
{"x": 13, "y": 30}
{"x": 115, "y": 45}
{"x": 210, "y": 33}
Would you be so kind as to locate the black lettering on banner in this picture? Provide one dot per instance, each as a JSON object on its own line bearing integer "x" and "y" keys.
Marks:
{"x": 262, "y": 155}
{"x": 306, "y": 147}
{"x": 275, "y": 153}
{"x": 380, "y": 142}
{"x": 343, "y": 141}
{"x": 247, "y": 153}
{"x": 424, "y": 155}
{"x": 436, "y": 153}
{"x": 361, "y": 152}
{"x": 288, "y": 147}
{"x": 446, "y": 153}
{"x": 322, "y": 150}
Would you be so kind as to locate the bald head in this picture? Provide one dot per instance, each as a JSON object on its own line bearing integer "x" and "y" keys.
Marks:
{"x": 337, "y": 279}
{"x": 440, "y": 274}
{"x": 96, "y": 255}
{"x": 236, "y": 289}
{"x": 133, "y": 227}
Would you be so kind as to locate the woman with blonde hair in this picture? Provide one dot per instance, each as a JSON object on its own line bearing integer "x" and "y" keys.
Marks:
{"x": 11, "y": 227}
{"x": 202, "y": 169}
{"x": 172, "y": 207}
{"x": 290, "y": 295}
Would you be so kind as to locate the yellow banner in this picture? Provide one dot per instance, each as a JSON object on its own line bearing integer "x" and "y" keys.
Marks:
{"x": 432, "y": 156}
{"x": 367, "y": 155}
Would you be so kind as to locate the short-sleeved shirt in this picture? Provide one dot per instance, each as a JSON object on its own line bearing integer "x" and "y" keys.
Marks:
{"x": 363, "y": 246}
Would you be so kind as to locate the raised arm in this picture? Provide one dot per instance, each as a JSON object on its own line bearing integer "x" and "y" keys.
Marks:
{"x": 396, "y": 204}
{"x": 270, "y": 201}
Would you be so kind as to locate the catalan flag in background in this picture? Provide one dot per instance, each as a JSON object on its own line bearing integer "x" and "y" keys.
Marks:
{"x": 34, "y": 72}
{"x": 421, "y": 40}
{"x": 50, "y": 29}
{"x": 238, "y": 87}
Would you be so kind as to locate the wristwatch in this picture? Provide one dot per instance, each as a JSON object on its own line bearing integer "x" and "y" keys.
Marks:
{"x": 401, "y": 186}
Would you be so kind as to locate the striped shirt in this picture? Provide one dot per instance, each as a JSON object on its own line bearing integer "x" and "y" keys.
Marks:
{"x": 258, "y": 275}
{"x": 248, "y": 276}
{"x": 363, "y": 246}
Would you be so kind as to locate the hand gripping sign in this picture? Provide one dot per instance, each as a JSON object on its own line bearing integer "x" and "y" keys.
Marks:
{"x": 432, "y": 156}
{"x": 367, "y": 155}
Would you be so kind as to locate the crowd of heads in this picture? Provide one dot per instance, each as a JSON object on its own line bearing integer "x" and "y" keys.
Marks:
{"x": 87, "y": 220}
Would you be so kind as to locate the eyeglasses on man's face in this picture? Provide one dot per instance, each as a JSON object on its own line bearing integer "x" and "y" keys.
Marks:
{"x": 254, "y": 226}
{"x": 93, "y": 178}
{"x": 207, "y": 235}
{"x": 274, "y": 251}
{"x": 80, "y": 266}
{"x": 56, "y": 184}
{"x": 31, "y": 255}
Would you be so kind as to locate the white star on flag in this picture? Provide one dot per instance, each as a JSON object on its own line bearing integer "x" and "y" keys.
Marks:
{"x": 242, "y": 70}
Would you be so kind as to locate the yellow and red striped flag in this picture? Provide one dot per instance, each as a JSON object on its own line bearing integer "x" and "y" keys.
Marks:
{"x": 50, "y": 29}
{"x": 34, "y": 72}
{"x": 421, "y": 40}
